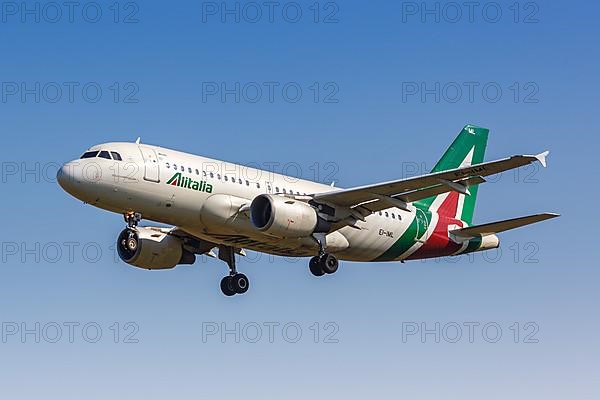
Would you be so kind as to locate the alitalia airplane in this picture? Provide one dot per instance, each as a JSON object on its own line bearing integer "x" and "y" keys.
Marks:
{"x": 220, "y": 209}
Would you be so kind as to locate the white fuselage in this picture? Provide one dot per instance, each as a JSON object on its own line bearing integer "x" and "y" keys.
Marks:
{"x": 205, "y": 199}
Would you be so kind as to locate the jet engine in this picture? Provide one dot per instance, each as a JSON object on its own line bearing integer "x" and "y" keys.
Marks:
{"x": 285, "y": 217}
{"x": 152, "y": 248}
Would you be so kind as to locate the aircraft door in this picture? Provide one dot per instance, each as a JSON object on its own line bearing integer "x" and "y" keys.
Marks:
{"x": 151, "y": 166}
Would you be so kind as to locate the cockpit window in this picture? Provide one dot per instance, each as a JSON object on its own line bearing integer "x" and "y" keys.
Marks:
{"x": 104, "y": 154}
{"x": 89, "y": 154}
{"x": 116, "y": 156}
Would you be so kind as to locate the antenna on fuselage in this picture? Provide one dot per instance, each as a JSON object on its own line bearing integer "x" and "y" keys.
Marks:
{"x": 137, "y": 141}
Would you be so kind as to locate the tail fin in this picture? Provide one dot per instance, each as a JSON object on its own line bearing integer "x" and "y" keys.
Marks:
{"x": 467, "y": 149}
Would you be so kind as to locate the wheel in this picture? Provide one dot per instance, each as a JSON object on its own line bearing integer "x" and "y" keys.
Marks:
{"x": 132, "y": 243}
{"x": 329, "y": 263}
{"x": 240, "y": 283}
{"x": 315, "y": 267}
{"x": 227, "y": 286}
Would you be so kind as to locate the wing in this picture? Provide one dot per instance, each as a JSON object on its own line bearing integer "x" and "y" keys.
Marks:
{"x": 371, "y": 198}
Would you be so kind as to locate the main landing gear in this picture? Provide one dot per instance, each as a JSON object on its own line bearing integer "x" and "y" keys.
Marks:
{"x": 235, "y": 283}
{"x": 324, "y": 263}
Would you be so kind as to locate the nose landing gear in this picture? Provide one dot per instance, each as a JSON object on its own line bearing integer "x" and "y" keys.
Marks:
{"x": 131, "y": 241}
{"x": 132, "y": 219}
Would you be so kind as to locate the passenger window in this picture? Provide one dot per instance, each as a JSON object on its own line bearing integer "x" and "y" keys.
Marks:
{"x": 89, "y": 154}
{"x": 277, "y": 189}
{"x": 116, "y": 156}
{"x": 204, "y": 173}
{"x": 386, "y": 214}
{"x": 257, "y": 185}
{"x": 175, "y": 167}
{"x": 168, "y": 165}
{"x": 226, "y": 179}
{"x": 247, "y": 183}
{"x": 190, "y": 170}
{"x": 380, "y": 213}
{"x": 240, "y": 181}
{"x": 197, "y": 172}
{"x": 182, "y": 168}
{"x": 219, "y": 176}
{"x": 104, "y": 154}
{"x": 212, "y": 175}
{"x": 284, "y": 192}
{"x": 393, "y": 216}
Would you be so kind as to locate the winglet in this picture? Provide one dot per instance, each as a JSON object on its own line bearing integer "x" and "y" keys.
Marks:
{"x": 542, "y": 157}
{"x": 137, "y": 141}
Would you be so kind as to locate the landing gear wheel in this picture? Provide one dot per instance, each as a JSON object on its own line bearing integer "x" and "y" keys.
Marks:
{"x": 315, "y": 267}
{"x": 240, "y": 283}
{"x": 235, "y": 283}
{"x": 132, "y": 243}
{"x": 329, "y": 263}
{"x": 227, "y": 286}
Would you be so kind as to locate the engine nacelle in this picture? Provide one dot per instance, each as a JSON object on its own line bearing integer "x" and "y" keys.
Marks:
{"x": 150, "y": 248}
{"x": 285, "y": 217}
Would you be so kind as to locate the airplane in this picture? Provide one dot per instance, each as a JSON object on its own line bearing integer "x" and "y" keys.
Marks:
{"x": 211, "y": 205}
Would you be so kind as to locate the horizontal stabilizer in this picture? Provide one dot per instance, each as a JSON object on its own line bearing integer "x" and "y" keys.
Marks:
{"x": 501, "y": 226}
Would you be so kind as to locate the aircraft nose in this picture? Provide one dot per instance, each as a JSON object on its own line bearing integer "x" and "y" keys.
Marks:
{"x": 66, "y": 178}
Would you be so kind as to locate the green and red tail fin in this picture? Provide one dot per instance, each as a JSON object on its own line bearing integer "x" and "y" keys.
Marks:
{"x": 467, "y": 149}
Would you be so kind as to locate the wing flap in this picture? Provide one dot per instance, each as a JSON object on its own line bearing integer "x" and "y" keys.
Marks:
{"x": 415, "y": 195}
{"x": 501, "y": 226}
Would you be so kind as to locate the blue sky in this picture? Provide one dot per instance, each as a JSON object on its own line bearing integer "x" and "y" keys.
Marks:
{"x": 69, "y": 82}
